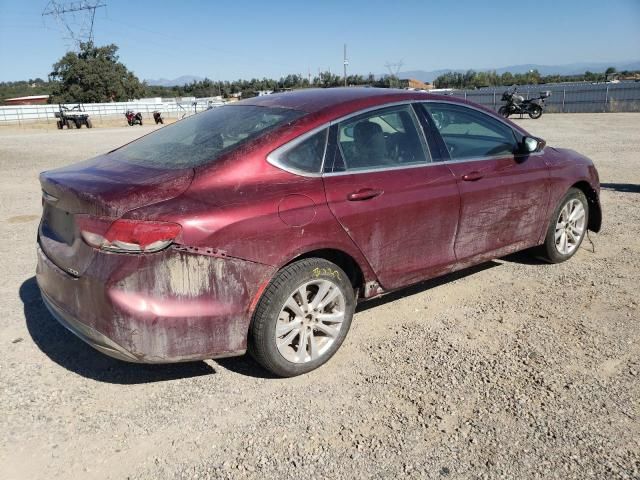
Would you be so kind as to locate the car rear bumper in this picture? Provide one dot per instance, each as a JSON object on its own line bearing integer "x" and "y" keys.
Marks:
{"x": 171, "y": 306}
{"x": 86, "y": 333}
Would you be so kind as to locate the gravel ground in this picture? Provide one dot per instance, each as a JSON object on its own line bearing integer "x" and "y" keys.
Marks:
{"x": 512, "y": 369}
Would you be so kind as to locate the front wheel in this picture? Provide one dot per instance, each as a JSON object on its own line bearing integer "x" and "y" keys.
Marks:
{"x": 535, "y": 112}
{"x": 567, "y": 228}
{"x": 503, "y": 111}
{"x": 302, "y": 318}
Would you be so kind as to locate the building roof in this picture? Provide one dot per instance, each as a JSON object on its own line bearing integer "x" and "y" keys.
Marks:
{"x": 30, "y": 97}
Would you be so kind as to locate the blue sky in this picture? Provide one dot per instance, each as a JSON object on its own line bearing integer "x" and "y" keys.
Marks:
{"x": 229, "y": 40}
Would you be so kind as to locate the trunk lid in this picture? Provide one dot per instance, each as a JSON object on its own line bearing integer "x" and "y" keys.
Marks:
{"x": 101, "y": 187}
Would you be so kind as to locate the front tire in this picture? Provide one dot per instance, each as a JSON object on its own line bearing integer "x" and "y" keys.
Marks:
{"x": 535, "y": 112}
{"x": 302, "y": 318}
{"x": 567, "y": 228}
{"x": 503, "y": 111}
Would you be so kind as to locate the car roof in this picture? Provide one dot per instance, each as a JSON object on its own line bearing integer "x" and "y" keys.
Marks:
{"x": 316, "y": 100}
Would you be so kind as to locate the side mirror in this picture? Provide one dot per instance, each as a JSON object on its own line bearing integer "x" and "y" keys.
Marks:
{"x": 532, "y": 144}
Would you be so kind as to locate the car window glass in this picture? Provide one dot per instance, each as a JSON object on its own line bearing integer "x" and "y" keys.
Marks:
{"x": 468, "y": 133}
{"x": 305, "y": 156}
{"x": 204, "y": 137}
{"x": 381, "y": 139}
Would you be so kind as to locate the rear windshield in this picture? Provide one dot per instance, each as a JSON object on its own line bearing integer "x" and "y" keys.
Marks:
{"x": 206, "y": 136}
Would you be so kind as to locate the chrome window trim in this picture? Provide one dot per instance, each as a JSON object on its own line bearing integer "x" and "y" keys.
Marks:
{"x": 274, "y": 158}
{"x": 381, "y": 169}
{"x": 372, "y": 109}
{"x": 425, "y": 165}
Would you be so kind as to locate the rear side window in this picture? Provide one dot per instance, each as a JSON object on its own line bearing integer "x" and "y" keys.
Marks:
{"x": 204, "y": 137}
{"x": 304, "y": 155}
{"x": 468, "y": 133}
{"x": 381, "y": 139}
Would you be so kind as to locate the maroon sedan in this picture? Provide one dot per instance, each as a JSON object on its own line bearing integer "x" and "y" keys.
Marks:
{"x": 258, "y": 226}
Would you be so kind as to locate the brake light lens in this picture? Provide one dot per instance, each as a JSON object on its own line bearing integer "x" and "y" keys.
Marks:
{"x": 128, "y": 236}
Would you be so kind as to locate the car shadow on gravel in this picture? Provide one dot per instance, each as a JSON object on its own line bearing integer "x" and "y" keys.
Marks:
{"x": 246, "y": 366}
{"x": 621, "y": 187}
{"x": 424, "y": 286}
{"x": 70, "y": 352}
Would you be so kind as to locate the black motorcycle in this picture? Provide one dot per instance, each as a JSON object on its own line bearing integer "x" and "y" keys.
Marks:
{"x": 517, "y": 104}
{"x": 157, "y": 117}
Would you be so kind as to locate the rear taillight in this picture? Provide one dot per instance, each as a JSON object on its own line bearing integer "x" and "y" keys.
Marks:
{"x": 128, "y": 236}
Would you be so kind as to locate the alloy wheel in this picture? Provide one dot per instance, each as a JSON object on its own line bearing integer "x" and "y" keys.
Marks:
{"x": 310, "y": 321}
{"x": 570, "y": 227}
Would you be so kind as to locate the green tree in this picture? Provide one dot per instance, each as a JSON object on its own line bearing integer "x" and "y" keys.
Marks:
{"x": 93, "y": 74}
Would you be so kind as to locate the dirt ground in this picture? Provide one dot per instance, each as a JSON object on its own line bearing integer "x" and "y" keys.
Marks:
{"x": 513, "y": 369}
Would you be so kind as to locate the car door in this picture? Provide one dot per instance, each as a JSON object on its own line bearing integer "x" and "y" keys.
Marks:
{"x": 504, "y": 194}
{"x": 398, "y": 206}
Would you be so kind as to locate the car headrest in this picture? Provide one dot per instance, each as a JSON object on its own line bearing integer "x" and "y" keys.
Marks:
{"x": 364, "y": 131}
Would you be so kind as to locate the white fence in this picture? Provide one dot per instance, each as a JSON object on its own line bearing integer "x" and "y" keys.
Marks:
{"x": 30, "y": 113}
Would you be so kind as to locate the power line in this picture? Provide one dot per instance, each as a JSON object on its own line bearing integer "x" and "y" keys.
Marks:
{"x": 77, "y": 17}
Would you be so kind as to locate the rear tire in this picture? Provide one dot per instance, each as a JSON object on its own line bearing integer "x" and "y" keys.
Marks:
{"x": 535, "y": 112}
{"x": 291, "y": 334}
{"x": 89, "y": 124}
{"x": 567, "y": 228}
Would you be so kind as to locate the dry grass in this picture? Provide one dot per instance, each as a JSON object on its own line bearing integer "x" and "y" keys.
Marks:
{"x": 97, "y": 121}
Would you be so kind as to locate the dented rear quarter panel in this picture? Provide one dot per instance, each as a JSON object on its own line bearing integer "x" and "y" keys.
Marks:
{"x": 168, "y": 306}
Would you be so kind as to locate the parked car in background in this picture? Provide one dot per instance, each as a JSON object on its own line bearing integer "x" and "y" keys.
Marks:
{"x": 259, "y": 225}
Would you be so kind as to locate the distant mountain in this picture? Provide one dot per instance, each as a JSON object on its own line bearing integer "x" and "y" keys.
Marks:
{"x": 430, "y": 76}
{"x": 163, "y": 82}
{"x": 569, "y": 69}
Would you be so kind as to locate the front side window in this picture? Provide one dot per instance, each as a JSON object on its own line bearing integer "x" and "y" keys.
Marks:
{"x": 385, "y": 138}
{"x": 204, "y": 137}
{"x": 470, "y": 134}
{"x": 303, "y": 155}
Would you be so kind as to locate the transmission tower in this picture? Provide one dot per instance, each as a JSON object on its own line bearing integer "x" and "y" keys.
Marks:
{"x": 77, "y": 18}
{"x": 394, "y": 70}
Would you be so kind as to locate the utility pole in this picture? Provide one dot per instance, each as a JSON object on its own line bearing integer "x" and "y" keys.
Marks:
{"x": 345, "y": 62}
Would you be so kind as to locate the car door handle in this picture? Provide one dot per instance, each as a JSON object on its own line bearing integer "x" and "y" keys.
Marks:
{"x": 364, "y": 194}
{"x": 472, "y": 176}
